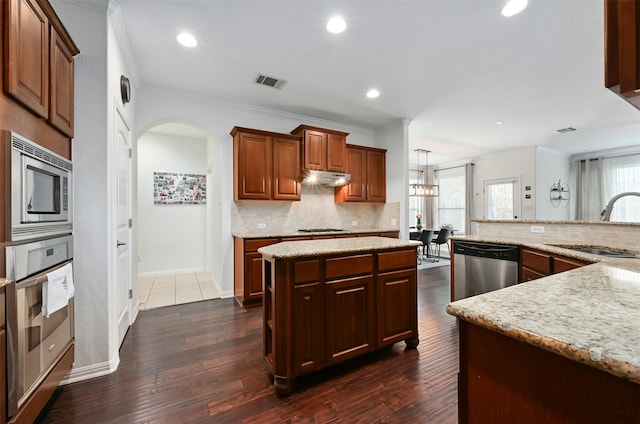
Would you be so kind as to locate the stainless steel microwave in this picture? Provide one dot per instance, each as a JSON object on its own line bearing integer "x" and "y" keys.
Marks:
{"x": 41, "y": 191}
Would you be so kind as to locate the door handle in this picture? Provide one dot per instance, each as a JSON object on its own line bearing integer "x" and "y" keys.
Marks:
{"x": 120, "y": 243}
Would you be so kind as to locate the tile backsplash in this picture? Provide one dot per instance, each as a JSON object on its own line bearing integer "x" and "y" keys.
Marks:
{"x": 316, "y": 209}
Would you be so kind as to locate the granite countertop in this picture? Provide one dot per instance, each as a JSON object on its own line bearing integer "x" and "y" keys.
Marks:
{"x": 590, "y": 314}
{"x": 631, "y": 264}
{"x": 304, "y": 248}
{"x": 268, "y": 233}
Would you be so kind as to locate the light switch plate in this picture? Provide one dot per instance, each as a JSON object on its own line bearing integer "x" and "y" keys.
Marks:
{"x": 394, "y": 222}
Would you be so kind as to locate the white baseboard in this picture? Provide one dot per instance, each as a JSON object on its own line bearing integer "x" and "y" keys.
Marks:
{"x": 92, "y": 371}
{"x": 226, "y": 294}
{"x": 152, "y": 274}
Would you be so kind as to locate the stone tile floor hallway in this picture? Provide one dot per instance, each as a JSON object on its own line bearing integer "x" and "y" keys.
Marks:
{"x": 156, "y": 292}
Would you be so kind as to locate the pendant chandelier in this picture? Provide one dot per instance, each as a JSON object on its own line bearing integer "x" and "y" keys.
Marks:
{"x": 422, "y": 188}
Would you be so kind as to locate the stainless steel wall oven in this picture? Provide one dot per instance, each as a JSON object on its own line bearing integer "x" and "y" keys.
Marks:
{"x": 35, "y": 343}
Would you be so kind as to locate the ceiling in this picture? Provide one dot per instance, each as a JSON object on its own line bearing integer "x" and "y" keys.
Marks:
{"x": 453, "y": 67}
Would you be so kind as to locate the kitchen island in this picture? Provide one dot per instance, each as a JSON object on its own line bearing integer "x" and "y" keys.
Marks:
{"x": 327, "y": 301}
{"x": 563, "y": 348}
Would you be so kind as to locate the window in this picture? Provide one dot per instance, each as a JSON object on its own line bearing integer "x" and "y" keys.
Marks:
{"x": 502, "y": 199}
{"x": 451, "y": 201}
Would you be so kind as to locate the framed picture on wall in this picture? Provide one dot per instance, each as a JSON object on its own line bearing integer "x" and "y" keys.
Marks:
{"x": 171, "y": 188}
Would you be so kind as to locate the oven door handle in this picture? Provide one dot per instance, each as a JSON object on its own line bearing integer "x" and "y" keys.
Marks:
{"x": 39, "y": 278}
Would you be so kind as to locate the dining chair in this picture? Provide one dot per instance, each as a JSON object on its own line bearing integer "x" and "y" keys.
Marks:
{"x": 443, "y": 238}
{"x": 425, "y": 237}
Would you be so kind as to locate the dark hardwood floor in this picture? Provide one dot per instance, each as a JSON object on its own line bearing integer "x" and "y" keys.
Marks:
{"x": 202, "y": 363}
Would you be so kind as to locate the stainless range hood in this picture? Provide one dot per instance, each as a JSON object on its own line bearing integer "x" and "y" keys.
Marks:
{"x": 331, "y": 179}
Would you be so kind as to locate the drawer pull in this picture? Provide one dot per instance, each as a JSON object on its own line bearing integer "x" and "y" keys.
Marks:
{"x": 51, "y": 347}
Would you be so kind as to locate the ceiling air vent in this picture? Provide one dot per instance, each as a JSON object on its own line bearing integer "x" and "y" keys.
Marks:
{"x": 270, "y": 81}
{"x": 563, "y": 130}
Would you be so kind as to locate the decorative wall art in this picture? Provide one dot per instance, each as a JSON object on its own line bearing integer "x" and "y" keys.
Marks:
{"x": 171, "y": 188}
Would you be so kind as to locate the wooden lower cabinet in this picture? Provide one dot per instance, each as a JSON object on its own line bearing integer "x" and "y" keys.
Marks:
{"x": 536, "y": 264}
{"x": 325, "y": 310}
{"x": 248, "y": 270}
{"x": 504, "y": 380}
{"x": 3, "y": 359}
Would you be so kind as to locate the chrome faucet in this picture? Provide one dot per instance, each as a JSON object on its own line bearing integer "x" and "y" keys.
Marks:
{"x": 606, "y": 213}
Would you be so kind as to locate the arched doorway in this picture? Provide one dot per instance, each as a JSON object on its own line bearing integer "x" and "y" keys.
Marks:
{"x": 172, "y": 236}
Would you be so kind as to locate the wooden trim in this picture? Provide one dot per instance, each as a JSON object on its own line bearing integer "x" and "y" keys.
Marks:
{"x": 237, "y": 129}
{"x": 301, "y": 128}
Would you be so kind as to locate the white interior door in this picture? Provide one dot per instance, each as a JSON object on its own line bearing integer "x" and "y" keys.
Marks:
{"x": 124, "y": 289}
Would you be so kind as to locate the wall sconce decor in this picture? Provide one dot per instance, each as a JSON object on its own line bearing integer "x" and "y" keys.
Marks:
{"x": 559, "y": 194}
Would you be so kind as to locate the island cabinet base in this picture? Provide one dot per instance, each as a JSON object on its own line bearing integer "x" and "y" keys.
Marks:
{"x": 322, "y": 310}
{"x": 504, "y": 380}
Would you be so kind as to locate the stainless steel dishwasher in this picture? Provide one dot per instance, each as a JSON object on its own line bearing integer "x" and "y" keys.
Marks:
{"x": 482, "y": 267}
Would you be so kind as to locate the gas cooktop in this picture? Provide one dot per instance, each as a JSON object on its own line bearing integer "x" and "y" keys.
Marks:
{"x": 319, "y": 230}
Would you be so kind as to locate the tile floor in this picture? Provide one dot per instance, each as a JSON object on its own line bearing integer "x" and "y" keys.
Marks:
{"x": 155, "y": 292}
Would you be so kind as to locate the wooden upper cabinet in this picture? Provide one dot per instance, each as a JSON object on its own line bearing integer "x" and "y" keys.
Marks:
{"x": 286, "y": 169}
{"x": 62, "y": 83}
{"x": 39, "y": 70}
{"x": 252, "y": 159}
{"x": 266, "y": 165}
{"x": 336, "y": 152}
{"x": 622, "y": 49}
{"x": 27, "y": 55}
{"x": 367, "y": 167}
{"x": 376, "y": 176}
{"x": 323, "y": 149}
{"x": 315, "y": 150}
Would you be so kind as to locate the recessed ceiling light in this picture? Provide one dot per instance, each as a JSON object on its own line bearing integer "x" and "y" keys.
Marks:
{"x": 499, "y": 122}
{"x": 187, "y": 39}
{"x": 373, "y": 93}
{"x": 513, "y": 7}
{"x": 336, "y": 25}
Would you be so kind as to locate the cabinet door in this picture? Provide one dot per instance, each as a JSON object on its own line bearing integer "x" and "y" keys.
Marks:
{"x": 61, "y": 105}
{"x": 376, "y": 177}
{"x": 253, "y": 157}
{"x": 3, "y": 374}
{"x": 534, "y": 264}
{"x": 253, "y": 276}
{"x": 27, "y": 55}
{"x": 315, "y": 150}
{"x": 286, "y": 169}
{"x": 562, "y": 264}
{"x": 356, "y": 191}
{"x": 397, "y": 311}
{"x": 336, "y": 153}
{"x": 350, "y": 319}
{"x": 308, "y": 328}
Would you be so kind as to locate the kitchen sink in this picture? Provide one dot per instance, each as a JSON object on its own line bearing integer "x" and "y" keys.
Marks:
{"x": 600, "y": 251}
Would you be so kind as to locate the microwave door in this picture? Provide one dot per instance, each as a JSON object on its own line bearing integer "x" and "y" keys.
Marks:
{"x": 42, "y": 185}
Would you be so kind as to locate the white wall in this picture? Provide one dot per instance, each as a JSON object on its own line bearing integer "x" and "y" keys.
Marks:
{"x": 518, "y": 163}
{"x": 395, "y": 138}
{"x": 171, "y": 238}
{"x": 551, "y": 166}
{"x": 97, "y": 85}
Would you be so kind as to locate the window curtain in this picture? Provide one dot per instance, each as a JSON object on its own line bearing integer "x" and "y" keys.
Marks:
{"x": 589, "y": 203}
{"x": 599, "y": 179}
{"x": 468, "y": 203}
{"x": 621, "y": 174}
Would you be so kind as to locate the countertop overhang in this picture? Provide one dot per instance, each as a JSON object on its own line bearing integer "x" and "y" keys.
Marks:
{"x": 306, "y": 248}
